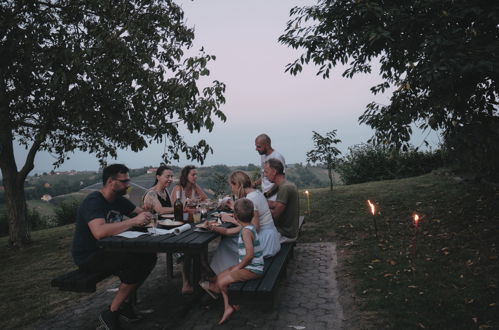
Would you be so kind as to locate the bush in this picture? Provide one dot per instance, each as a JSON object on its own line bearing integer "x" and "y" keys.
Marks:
{"x": 367, "y": 162}
{"x": 66, "y": 212}
{"x": 35, "y": 221}
{"x": 474, "y": 148}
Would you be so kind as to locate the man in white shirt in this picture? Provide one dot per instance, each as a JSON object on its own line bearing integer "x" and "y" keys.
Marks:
{"x": 264, "y": 148}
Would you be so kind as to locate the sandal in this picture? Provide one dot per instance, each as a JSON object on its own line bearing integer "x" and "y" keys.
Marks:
{"x": 205, "y": 285}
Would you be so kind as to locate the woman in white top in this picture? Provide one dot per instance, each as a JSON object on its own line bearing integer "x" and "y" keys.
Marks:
{"x": 187, "y": 186}
{"x": 189, "y": 191}
{"x": 226, "y": 254}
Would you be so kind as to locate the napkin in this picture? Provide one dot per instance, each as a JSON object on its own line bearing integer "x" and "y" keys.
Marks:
{"x": 160, "y": 231}
{"x": 181, "y": 229}
{"x": 131, "y": 234}
{"x": 175, "y": 231}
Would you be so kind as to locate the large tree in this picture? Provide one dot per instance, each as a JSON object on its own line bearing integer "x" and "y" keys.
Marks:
{"x": 440, "y": 59}
{"x": 97, "y": 76}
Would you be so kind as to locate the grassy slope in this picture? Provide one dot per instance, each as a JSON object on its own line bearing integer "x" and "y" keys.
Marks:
{"x": 450, "y": 283}
{"x": 451, "y": 280}
{"x": 26, "y": 274}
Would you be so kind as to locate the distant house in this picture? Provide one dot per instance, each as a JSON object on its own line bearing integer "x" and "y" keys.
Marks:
{"x": 46, "y": 198}
{"x": 152, "y": 170}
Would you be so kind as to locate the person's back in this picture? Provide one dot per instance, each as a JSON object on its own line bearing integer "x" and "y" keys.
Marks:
{"x": 288, "y": 221}
{"x": 256, "y": 263}
{"x": 286, "y": 207}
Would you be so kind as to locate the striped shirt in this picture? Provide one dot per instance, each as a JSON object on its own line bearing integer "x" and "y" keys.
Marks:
{"x": 256, "y": 264}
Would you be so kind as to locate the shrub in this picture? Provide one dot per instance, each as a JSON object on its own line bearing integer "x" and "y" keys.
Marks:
{"x": 367, "y": 162}
{"x": 35, "y": 220}
{"x": 66, "y": 212}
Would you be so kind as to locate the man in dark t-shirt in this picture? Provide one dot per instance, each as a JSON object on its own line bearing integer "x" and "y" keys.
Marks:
{"x": 100, "y": 215}
{"x": 286, "y": 207}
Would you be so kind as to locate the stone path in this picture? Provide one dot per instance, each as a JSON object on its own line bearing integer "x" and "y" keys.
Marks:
{"x": 307, "y": 299}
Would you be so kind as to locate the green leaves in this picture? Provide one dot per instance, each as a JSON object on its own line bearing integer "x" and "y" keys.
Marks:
{"x": 325, "y": 151}
{"x": 441, "y": 56}
{"x": 98, "y": 76}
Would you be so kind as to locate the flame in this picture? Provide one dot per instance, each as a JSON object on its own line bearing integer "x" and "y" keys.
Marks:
{"x": 306, "y": 192}
{"x": 371, "y": 205}
{"x": 416, "y": 219}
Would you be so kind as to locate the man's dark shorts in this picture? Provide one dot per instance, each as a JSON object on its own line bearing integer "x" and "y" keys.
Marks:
{"x": 131, "y": 268}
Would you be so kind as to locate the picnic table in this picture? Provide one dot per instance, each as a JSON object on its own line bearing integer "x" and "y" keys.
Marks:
{"x": 191, "y": 242}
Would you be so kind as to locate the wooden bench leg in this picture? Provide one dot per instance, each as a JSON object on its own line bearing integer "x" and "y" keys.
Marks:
{"x": 169, "y": 265}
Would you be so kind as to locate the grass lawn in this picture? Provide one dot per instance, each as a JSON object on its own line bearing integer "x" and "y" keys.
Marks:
{"x": 448, "y": 282}
{"x": 25, "y": 277}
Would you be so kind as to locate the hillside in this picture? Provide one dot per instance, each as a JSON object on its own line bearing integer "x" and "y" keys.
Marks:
{"x": 448, "y": 280}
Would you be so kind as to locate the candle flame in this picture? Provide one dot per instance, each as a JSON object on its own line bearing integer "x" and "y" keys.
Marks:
{"x": 416, "y": 218}
{"x": 306, "y": 192}
{"x": 371, "y": 205}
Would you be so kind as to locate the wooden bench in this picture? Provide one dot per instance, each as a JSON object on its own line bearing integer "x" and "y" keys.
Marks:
{"x": 263, "y": 289}
{"x": 79, "y": 281}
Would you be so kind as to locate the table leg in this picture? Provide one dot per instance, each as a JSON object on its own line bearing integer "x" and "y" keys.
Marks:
{"x": 197, "y": 265}
{"x": 169, "y": 265}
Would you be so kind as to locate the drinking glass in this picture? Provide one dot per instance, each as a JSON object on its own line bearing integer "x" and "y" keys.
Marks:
{"x": 196, "y": 216}
{"x": 155, "y": 217}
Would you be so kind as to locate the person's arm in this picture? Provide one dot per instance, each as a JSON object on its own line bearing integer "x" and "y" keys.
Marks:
{"x": 100, "y": 229}
{"x": 224, "y": 231}
{"x": 255, "y": 221}
{"x": 153, "y": 199}
{"x": 200, "y": 193}
{"x": 248, "y": 246}
{"x": 276, "y": 208}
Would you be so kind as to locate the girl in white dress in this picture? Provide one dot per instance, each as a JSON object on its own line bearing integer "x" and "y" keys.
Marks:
{"x": 226, "y": 254}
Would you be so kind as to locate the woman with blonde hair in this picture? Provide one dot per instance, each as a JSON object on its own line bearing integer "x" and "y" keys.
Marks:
{"x": 227, "y": 252}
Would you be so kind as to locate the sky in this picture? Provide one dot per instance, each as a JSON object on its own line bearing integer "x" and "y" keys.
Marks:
{"x": 260, "y": 96}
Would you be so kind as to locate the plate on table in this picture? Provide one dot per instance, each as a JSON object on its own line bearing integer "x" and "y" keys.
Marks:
{"x": 204, "y": 225}
{"x": 170, "y": 223}
{"x": 167, "y": 216}
{"x": 202, "y": 230}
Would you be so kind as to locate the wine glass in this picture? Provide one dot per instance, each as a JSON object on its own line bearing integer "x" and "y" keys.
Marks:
{"x": 149, "y": 207}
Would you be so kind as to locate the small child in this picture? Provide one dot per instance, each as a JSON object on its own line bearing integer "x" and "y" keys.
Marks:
{"x": 250, "y": 264}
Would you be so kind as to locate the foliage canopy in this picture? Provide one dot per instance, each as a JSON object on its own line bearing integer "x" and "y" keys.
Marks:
{"x": 440, "y": 57}
{"x": 98, "y": 76}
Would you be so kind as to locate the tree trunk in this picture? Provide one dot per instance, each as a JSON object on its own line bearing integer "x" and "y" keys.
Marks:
{"x": 13, "y": 181}
{"x": 17, "y": 214}
{"x": 330, "y": 174}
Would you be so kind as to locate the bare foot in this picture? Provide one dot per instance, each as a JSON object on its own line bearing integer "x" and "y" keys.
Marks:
{"x": 228, "y": 312}
{"x": 187, "y": 289}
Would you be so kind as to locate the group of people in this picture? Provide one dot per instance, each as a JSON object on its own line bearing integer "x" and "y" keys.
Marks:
{"x": 263, "y": 220}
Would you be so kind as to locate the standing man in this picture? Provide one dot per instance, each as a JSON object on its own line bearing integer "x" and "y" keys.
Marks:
{"x": 264, "y": 148}
{"x": 286, "y": 207}
{"x": 101, "y": 214}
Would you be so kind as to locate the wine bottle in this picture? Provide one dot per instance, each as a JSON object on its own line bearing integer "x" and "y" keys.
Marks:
{"x": 178, "y": 208}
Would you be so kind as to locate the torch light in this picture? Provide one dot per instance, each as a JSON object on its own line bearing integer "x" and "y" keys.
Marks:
{"x": 373, "y": 212}
{"x": 308, "y": 201}
{"x": 416, "y": 219}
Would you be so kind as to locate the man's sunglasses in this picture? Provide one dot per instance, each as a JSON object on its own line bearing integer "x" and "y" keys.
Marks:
{"x": 122, "y": 181}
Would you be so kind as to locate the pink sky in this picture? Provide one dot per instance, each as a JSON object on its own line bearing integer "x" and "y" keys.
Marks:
{"x": 261, "y": 97}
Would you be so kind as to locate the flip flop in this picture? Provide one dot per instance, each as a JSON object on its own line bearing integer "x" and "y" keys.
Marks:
{"x": 205, "y": 285}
